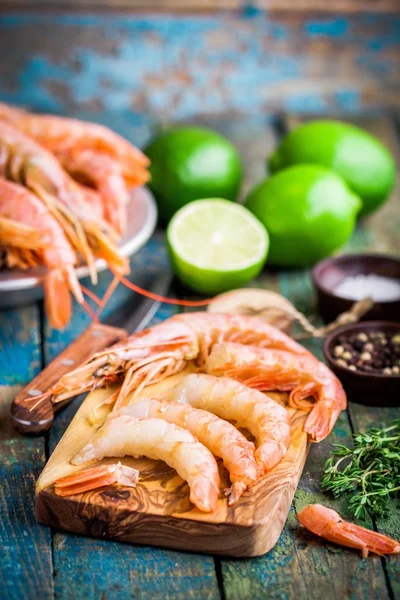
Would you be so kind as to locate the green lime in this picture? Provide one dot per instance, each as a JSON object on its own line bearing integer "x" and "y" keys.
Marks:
{"x": 308, "y": 211}
{"x": 359, "y": 157}
{"x": 216, "y": 245}
{"x": 188, "y": 163}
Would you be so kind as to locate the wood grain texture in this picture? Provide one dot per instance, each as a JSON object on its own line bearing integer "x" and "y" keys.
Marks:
{"x": 384, "y": 227}
{"x": 172, "y": 67}
{"x": 158, "y": 510}
{"x": 26, "y": 562}
{"x": 347, "y": 6}
{"x": 29, "y": 417}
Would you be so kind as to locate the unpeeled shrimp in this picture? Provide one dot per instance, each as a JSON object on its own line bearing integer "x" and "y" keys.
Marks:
{"x": 105, "y": 174}
{"x": 152, "y": 355}
{"x": 229, "y": 399}
{"x": 20, "y": 209}
{"x": 24, "y": 161}
{"x": 90, "y": 152}
{"x": 219, "y": 436}
{"x": 303, "y": 376}
{"x": 63, "y": 135}
{"x": 96, "y": 477}
{"x": 159, "y": 440}
{"x": 328, "y": 524}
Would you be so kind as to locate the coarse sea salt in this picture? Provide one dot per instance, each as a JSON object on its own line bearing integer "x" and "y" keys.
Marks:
{"x": 380, "y": 289}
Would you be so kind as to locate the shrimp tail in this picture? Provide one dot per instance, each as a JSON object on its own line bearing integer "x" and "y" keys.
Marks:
{"x": 106, "y": 249}
{"x": 96, "y": 477}
{"x": 329, "y": 525}
{"x": 321, "y": 419}
{"x": 234, "y": 492}
{"x": 57, "y": 298}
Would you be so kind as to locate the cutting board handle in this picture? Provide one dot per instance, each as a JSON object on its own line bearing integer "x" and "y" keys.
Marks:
{"x": 28, "y": 418}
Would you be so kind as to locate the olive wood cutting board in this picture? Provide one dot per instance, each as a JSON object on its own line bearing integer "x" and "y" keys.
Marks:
{"x": 158, "y": 511}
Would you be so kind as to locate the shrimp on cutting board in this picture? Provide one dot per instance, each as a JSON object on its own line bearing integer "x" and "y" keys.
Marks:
{"x": 158, "y": 352}
{"x": 30, "y": 235}
{"x": 124, "y": 435}
{"x": 303, "y": 376}
{"x": 329, "y": 525}
{"x": 218, "y": 435}
{"x": 267, "y": 420}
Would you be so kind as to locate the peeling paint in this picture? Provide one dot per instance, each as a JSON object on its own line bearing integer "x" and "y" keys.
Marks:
{"x": 172, "y": 67}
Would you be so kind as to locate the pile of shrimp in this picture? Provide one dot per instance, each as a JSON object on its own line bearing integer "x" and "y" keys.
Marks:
{"x": 64, "y": 189}
{"x": 201, "y": 417}
{"x": 235, "y": 359}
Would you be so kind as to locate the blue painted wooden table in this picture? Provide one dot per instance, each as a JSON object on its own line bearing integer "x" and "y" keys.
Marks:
{"x": 37, "y": 562}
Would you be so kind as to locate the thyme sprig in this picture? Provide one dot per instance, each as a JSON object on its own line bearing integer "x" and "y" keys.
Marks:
{"x": 370, "y": 471}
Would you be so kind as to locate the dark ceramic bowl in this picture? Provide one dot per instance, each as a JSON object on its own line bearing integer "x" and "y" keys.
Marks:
{"x": 328, "y": 273}
{"x": 365, "y": 388}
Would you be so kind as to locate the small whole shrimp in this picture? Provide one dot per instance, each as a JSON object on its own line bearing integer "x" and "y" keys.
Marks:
{"x": 301, "y": 375}
{"x": 230, "y": 400}
{"x": 155, "y": 438}
{"x": 24, "y": 161}
{"x": 63, "y": 135}
{"x": 21, "y": 212}
{"x": 156, "y": 353}
{"x": 91, "y": 153}
{"x": 328, "y": 524}
{"x": 218, "y": 435}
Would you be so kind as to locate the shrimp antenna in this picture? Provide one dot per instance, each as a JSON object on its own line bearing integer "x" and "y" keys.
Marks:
{"x": 91, "y": 295}
{"x": 158, "y": 298}
{"x": 90, "y": 312}
{"x": 109, "y": 292}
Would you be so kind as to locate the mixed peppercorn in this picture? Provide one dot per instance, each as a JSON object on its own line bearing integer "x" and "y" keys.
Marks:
{"x": 369, "y": 352}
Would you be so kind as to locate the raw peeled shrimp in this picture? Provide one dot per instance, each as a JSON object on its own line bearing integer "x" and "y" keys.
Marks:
{"x": 219, "y": 436}
{"x": 152, "y": 355}
{"x": 328, "y": 524}
{"x": 24, "y": 161}
{"x": 303, "y": 376}
{"x": 155, "y": 438}
{"x": 229, "y": 399}
{"x": 21, "y": 212}
{"x": 96, "y": 477}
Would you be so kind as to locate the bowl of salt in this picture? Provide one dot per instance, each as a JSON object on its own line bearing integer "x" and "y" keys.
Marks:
{"x": 342, "y": 280}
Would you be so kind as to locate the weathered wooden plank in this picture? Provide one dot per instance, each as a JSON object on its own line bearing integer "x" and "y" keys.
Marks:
{"x": 384, "y": 228}
{"x": 347, "y": 6}
{"x": 299, "y": 564}
{"x": 103, "y": 568}
{"x": 176, "y": 66}
{"x": 363, "y": 418}
{"x": 26, "y": 565}
{"x": 277, "y": 574}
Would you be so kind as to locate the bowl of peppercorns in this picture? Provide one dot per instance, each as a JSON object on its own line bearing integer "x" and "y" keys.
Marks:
{"x": 366, "y": 359}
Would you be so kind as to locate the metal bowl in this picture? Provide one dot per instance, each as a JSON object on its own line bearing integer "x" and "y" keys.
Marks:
{"x": 19, "y": 286}
{"x": 328, "y": 273}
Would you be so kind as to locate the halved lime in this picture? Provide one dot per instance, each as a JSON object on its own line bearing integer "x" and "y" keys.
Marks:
{"x": 216, "y": 245}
